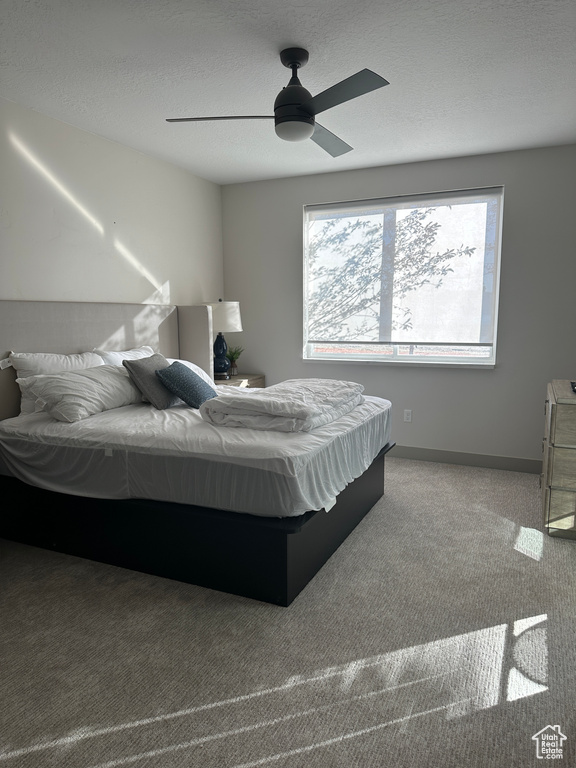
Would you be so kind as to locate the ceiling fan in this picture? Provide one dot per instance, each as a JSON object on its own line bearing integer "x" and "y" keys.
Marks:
{"x": 295, "y": 108}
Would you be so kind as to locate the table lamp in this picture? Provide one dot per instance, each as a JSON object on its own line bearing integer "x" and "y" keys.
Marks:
{"x": 225, "y": 319}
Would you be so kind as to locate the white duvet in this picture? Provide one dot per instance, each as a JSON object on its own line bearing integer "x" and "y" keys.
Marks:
{"x": 296, "y": 405}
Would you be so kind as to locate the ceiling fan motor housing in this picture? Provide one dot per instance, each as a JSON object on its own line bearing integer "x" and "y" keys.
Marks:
{"x": 287, "y": 110}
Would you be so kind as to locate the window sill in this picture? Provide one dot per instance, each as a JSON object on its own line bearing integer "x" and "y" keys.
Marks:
{"x": 405, "y": 363}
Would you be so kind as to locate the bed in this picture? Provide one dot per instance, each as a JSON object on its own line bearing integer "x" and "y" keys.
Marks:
{"x": 252, "y": 512}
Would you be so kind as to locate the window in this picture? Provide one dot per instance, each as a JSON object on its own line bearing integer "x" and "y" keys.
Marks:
{"x": 410, "y": 279}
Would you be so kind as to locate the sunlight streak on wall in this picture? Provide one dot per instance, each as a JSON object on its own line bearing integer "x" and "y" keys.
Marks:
{"x": 138, "y": 266}
{"x": 161, "y": 293}
{"x": 56, "y": 183}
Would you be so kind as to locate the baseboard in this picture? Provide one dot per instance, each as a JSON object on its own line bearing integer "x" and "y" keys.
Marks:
{"x": 531, "y": 466}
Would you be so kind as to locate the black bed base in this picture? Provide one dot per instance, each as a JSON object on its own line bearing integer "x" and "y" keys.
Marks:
{"x": 264, "y": 558}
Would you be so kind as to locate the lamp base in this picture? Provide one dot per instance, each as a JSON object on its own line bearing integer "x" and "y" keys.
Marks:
{"x": 221, "y": 362}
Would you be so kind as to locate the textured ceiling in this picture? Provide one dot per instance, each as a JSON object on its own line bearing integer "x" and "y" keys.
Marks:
{"x": 466, "y": 76}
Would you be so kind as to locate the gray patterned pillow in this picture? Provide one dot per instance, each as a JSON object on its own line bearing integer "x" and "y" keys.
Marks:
{"x": 143, "y": 375}
{"x": 183, "y": 382}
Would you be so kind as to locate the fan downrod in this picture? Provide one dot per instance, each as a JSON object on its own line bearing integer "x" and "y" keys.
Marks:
{"x": 294, "y": 57}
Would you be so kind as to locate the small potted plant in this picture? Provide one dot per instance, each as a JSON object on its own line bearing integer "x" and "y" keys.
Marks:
{"x": 233, "y": 354}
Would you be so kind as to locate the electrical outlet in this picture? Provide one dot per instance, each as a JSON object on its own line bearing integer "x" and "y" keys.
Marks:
{"x": 407, "y": 415}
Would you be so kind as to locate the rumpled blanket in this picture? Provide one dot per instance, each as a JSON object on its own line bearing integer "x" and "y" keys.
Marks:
{"x": 296, "y": 405}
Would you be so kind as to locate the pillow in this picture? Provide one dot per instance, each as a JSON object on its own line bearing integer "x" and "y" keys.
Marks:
{"x": 115, "y": 357}
{"x": 196, "y": 368}
{"x": 187, "y": 384}
{"x": 75, "y": 395}
{"x": 143, "y": 374}
{"x": 35, "y": 363}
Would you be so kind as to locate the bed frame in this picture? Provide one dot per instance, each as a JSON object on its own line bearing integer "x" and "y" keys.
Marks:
{"x": 263, "y": 558}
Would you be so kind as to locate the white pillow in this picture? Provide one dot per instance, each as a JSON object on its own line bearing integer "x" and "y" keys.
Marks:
{"x": 115, "y": 357}
{"x": 35, "y": 363}
{"x": 75, "y": 395}
{"x": 196, "y": 368}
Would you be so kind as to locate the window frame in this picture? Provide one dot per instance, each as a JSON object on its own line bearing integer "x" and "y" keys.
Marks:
{"x": 392, "y": 351}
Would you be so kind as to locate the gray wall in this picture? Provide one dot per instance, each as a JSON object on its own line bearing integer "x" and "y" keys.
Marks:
{"x": 495, "y": 413}
{"x": 86, "y": 219}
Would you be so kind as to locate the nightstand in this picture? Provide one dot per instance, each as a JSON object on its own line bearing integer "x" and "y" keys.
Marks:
{"x": 246, "y": 380}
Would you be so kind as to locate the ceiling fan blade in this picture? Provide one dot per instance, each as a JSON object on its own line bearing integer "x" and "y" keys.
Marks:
{"x": 356, "y": 85}
{"x": 238, "y": 117}
{"x": 329, "y": 142}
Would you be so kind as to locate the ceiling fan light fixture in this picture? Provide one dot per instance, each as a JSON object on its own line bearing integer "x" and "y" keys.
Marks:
{"x": 294, "y": 130}
{"x": 295, "y": 108}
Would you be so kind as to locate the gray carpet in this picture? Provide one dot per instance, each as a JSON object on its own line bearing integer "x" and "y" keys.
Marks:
{"x": 442, "y": 633}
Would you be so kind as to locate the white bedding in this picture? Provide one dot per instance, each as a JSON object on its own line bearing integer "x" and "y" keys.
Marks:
{"x": 296, "y": 405}
{"x": 137, "y": 451}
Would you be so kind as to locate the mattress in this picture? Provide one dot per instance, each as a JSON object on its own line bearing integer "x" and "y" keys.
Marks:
{"x": 137, "y": 451}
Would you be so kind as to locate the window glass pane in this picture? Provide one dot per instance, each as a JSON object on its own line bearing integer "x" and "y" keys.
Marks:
{"x": 418, "y": 273}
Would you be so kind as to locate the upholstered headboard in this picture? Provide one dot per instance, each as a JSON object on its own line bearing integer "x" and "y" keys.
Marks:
{"x": 68, "y": 327}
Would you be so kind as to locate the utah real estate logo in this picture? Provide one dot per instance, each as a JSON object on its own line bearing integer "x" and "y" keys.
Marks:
{"x": 549, "y": 743}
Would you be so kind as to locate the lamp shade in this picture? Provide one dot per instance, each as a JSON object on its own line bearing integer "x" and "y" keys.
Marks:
{"x": 226, "y": 316}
